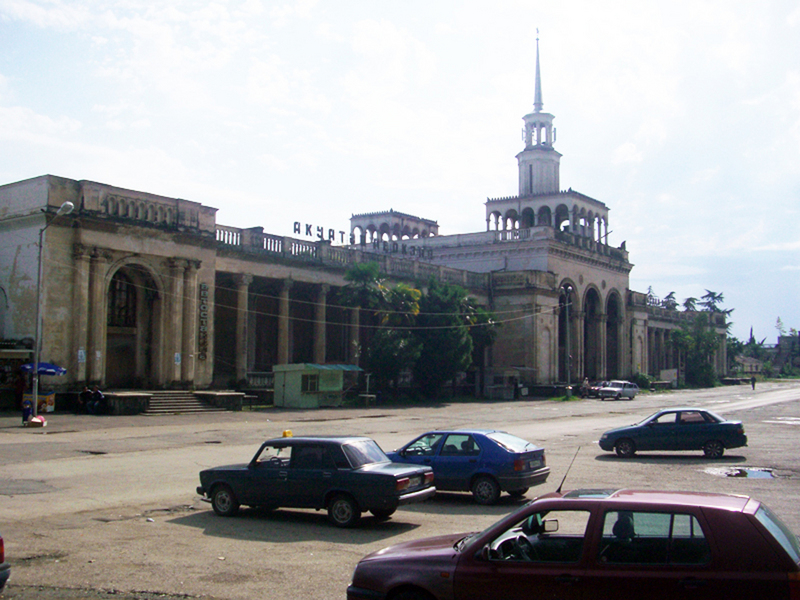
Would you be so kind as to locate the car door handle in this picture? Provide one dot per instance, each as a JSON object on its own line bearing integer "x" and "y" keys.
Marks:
{"x": 568, "y": 579}
{"x": 283, "y": 474}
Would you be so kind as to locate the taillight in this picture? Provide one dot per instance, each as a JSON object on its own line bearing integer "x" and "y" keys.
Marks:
{"x": 519, "y": 464}
{"x": 428, "y": 478}
{"x": 794, "y": 585}
{"x": 402, "y": 484}
{"x": 2, "y": 551}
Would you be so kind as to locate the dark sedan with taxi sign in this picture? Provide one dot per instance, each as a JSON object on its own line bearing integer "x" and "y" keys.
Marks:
{"x": 346, "y": 475}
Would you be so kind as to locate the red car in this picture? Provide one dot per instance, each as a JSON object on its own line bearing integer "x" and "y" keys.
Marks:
{"x": 5, "y": 568}
{"x": 619, "y": 544}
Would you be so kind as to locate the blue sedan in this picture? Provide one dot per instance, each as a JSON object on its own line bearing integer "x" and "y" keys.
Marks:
{"x": 677, "y": 429}
{"x": 483, "y": 461}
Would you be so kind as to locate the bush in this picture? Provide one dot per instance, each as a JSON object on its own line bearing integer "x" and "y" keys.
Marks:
{"x": 642, "y": 380}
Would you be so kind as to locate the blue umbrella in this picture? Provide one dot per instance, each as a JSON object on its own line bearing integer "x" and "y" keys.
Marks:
{"x": 45, "y": 369}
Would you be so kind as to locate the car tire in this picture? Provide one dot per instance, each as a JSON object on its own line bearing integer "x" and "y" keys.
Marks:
{"x": 518, "y": 493}
{"x": 224, "y": 501}
{"x": 343, "y": 511}
{"x": 625, "y": 448}
{"x": 485, "y": 490}
{"x": 713, "y": 449}
{"x": 381, "y": 514}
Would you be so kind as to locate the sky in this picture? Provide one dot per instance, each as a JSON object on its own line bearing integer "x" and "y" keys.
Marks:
{"x": 683, "y": 117}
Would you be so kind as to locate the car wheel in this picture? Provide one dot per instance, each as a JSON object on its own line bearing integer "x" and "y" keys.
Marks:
{"x": 517, "y": 493}
{"x": 381, "y": 514}
{"x": 714, "y": 449}
{"x": 485, "y": 490}
{"x": 343, "y": 511}
{"x": 625, "y": 448}
{"x": 224, "y": 501}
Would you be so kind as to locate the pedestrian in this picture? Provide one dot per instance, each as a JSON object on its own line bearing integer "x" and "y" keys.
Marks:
{"x": 753, "y": 381}
{"x": 585, "y": 388}
{"x": 97, "y": 404}
{"x": 19, "y": 388}
{"x": 84, "y": 399}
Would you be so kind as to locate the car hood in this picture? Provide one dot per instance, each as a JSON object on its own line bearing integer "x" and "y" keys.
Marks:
{"x": 626, "y": 429}
{"x": 426, "y": 549}
{"x": 235, "y": 467}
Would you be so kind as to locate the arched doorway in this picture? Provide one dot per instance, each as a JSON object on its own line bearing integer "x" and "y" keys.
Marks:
{"x": 567, "y": 332}
{"x": 133, "y": 311}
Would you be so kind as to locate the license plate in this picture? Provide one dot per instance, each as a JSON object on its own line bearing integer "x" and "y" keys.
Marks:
{"x": 414, "y": 481}
{"x": 534, "y": 464}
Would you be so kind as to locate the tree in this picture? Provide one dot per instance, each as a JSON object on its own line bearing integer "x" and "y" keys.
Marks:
{"x": 698, "y": 344}
{"x": 780, "y": 327}
{"x": 690, "y": 304}
{"x": 669, "y": 302}
{"x": 442, "y": 330}
{"x": 483, "y": 331}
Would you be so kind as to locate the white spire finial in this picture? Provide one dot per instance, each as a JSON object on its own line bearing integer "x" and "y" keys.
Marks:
{"x": 537, "y": 97}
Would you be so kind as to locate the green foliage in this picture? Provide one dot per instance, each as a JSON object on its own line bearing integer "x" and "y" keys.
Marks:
{"x": 391, "y": 351}
{"x": 698, "y": 344}
{"x": 442, "y": 330}
{"x": 642, "y": 380}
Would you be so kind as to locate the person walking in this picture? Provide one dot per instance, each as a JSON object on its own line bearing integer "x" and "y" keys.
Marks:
{"x": 753, "y": 381}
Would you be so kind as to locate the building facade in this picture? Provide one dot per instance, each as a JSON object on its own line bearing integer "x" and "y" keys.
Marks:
{"x": 145, "y": 291}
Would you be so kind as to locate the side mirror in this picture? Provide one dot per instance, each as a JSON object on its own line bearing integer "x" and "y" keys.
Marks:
{"x": 550, "y": 525}
{"x": 485, "y": 553}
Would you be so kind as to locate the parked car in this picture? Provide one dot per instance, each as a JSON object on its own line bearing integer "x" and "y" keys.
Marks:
{"x": 618, "y": 390}
{"x": 5, "y": 568}
{"x": 347, "y": 475}
{"x": 619, "y": 544}
{"x": 677, "y": 429}
{"x": 483, "y": 461}
{"x": 594, "y": 388}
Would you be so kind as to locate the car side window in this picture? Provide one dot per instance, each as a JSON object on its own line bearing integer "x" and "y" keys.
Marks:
{"x": 665, "y": 419}
{"x": 691, "y": 417}
{"x": 546, "y": 537}
{"x": 275, "y": 456}
{"x": 459, "y": 444}
{"x": 307, "y": 457}
{"x": 652, "y": 538}
{"x": 424, "y": 446}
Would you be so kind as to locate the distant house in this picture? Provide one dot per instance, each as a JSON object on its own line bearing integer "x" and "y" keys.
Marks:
{"x": 748, "y": 365}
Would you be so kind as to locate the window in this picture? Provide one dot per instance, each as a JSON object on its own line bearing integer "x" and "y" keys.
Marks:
{"x": 310, "y": 383}
{"x": 275, "y": 456}
{"x": 424, "y": 446}
{"x": 544, "y": 537}
{"x": 121, "y": 302}
{"x": 652, "y": 538}
{"x": 460, "y": 444}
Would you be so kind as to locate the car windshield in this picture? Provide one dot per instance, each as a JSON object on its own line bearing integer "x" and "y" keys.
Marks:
{"x": 510, "y": 442}
{"x": 780, "y": 532}
{"x": 615, "y": 384}
{"x": 364, "y": 452}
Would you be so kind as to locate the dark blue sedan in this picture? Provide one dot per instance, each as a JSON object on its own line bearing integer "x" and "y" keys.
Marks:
{"x": 677, "y": 429}
{"x": 483, "y": 461}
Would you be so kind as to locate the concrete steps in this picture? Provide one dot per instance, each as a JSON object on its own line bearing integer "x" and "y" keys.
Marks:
{"x": 171, "y": 402}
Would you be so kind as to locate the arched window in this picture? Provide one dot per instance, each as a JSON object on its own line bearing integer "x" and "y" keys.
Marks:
{"x": 121, "y": 302}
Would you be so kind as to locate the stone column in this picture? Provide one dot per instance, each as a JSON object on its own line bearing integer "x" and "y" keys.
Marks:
{"x": 283, "y": 323}
{"x": 173, "y": 329}
{"x": 242, "y": 290}
{"x": 320, "y": 310}
{"x": 354, "y": 350}
{"x": 602, "y": 340}
{"x": 189, "y": 345}
{"x": 80, "y": 312}
{"x": 97, "y": 317}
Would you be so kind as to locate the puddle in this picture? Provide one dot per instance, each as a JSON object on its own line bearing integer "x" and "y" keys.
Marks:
{"x": 748, "y": 472}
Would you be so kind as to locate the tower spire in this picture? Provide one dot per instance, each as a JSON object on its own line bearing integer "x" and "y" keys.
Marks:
{"x": 537, "y": 97}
